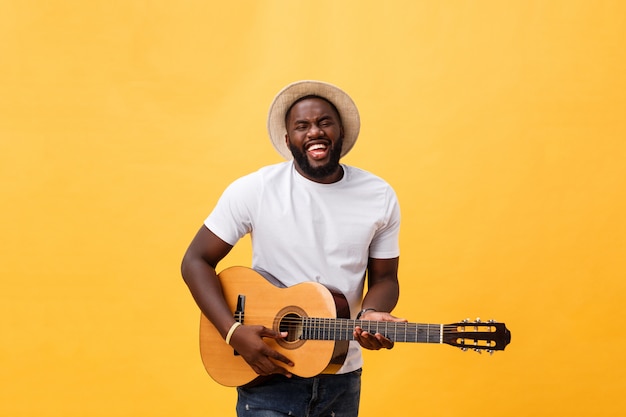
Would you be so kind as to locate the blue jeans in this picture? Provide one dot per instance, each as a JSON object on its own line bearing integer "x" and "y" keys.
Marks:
{"x": 320, "y": 396}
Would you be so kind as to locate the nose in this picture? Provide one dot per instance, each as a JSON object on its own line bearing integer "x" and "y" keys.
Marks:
{"x": 315, "y": 131}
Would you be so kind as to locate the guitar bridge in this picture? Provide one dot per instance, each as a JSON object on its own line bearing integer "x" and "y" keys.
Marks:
{"x": 240, "y": 313}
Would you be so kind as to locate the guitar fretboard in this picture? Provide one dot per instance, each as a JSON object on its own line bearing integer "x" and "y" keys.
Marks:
{"x": 342, "y": 329}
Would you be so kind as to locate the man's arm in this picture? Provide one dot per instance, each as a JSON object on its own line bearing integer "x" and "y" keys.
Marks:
{"x": 382, "y": 295}
{"x": 198, "y": 270}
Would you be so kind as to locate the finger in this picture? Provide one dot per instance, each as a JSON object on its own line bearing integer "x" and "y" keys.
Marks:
{"x": 359, "y": 335}
{"x": 260, "y": 370}
{"x": 281, "y": 371}
{"x": 265, "y": 332}
{"x": 267, "y": 366}
{"x": 271, "y": 353}
{"x": 369, "y": 341}
{"x": 374, "y": 341}
{"x": 364, "y": 338}
{"x": 264, "y": 366}
{"x": 384, "y": 342}
{"x": 279, "y": 357}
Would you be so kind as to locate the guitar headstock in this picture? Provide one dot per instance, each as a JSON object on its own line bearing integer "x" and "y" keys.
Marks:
{"x": 477, "y": 335}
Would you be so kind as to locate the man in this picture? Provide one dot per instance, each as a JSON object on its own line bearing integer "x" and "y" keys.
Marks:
{"x": 311, "y": 219}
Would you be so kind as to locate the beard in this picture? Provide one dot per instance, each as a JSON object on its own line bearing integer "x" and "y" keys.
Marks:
{"x": 322, "y": 171}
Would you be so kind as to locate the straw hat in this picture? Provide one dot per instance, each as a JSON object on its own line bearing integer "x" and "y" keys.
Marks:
{"x": 348, "y": 112}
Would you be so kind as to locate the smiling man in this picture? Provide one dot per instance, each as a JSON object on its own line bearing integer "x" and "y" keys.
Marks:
{"x": 310, "y": 218}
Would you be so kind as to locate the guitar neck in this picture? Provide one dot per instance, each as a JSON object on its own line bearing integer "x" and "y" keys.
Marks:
{"x": 342, "y": 329}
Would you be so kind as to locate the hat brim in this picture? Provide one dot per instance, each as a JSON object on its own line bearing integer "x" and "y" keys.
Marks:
{"x": 348, "y": 112}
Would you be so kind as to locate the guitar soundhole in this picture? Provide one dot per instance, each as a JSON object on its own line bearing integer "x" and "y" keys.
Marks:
{"x": 289, "y": 320}
{"x": 292, "y": 324}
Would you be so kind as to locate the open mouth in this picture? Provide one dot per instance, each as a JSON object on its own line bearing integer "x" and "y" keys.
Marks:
{"x": 317, "y": 150}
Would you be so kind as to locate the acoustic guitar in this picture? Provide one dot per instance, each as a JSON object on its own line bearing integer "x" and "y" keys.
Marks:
{"x": 319, "y": 328}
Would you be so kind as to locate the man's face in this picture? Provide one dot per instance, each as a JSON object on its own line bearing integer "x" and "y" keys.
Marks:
{"x": 315, "y": 137}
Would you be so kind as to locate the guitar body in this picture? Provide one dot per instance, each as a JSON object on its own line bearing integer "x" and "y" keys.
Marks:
{"x": 272, "y": 307}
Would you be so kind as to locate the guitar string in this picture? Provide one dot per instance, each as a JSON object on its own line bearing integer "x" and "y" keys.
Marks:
{"x": 323, "y": 322}
{"x": 341, "y": 324}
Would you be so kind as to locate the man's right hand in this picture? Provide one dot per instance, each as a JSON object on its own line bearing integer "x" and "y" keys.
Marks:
{"x": 248, "y": 342}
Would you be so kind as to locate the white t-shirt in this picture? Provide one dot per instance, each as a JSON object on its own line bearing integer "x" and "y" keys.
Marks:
{"x": 306, "y": 231}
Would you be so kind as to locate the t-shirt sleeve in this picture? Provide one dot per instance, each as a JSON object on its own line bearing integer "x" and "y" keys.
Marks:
{"x": 232, "y": 217}
{"x": 385, "y": 244}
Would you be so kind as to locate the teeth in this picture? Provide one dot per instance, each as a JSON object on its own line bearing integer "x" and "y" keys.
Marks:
{"x": 316, "y": 147}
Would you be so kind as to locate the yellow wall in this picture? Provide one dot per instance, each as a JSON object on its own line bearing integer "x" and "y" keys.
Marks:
{"x": 501, "y": 124}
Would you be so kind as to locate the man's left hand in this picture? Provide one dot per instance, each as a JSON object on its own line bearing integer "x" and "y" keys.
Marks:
{"x": 375, "y": 341}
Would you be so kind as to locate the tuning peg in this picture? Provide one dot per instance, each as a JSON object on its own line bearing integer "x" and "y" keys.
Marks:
{"x": 490, "y": 351}
{"x": 476, "y": 323}
{"x": 480, "y": 352}
{"x": 492, "y": 321}
{"x": 465, "y": 321}
{"x": 464, "y": 349}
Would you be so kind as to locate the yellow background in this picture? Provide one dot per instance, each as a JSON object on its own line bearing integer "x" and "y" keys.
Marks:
{"x": 501, "y": 125}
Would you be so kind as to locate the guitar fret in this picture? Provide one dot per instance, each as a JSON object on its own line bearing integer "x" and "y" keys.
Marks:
{"x": 318, "y": 325}
{"x": 329, "y": 329}
{"x": 319, "y": 334}
{"x": 326, "y": 329}
{"x": 317, "y": 329}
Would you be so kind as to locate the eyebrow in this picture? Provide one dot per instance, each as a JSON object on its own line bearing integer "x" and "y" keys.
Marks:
{"x": 322, "y": 118}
